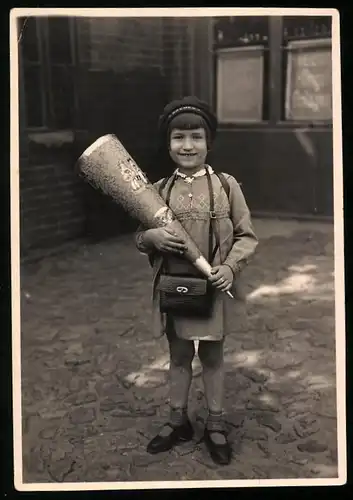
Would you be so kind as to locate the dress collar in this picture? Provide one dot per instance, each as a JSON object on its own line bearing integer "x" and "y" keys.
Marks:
{"x": 190, "y": 178}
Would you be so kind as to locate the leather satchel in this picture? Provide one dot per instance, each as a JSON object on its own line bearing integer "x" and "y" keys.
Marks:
{"x": 188, "y": 295}
{"x": 185, "y": 295}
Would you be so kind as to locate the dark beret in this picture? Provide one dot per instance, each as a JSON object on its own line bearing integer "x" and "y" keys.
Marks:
{"x": 188, "y": 104}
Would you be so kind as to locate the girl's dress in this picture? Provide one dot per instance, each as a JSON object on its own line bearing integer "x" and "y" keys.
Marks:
{"x": 190, "y": 203}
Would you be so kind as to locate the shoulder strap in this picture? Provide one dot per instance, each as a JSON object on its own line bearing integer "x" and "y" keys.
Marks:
{"x": 212, "y": 226}
{"x": 224, "y": 182}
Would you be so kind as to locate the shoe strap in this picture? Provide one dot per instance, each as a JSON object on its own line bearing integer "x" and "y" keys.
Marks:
{"x": 214, "y": 431}
{"x": 216, "y": 427}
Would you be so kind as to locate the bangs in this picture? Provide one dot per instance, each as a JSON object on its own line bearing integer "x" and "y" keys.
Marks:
{"x": 188, "y": 121}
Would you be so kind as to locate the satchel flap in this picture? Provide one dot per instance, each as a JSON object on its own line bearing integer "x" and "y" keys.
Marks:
{"x": 179, "y": 285}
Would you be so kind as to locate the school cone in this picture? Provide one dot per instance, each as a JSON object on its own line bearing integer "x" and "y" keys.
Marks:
{"x": 107, "y": 166}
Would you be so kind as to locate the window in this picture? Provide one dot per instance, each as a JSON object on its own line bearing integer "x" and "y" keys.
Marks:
{"x": 47, "y": 71}
{"x": 299, "y": 87}
{"x": 241, "y": 59}
{"x": 308, "y": 69}
{"x": 32, "y": 74}
{"x": 309, "y": 81}
{"x": 240, "y": 84}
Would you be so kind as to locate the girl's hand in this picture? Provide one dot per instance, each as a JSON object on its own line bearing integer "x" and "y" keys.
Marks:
{"x": 222, "y": 278}
{"x": 165, "y": 240}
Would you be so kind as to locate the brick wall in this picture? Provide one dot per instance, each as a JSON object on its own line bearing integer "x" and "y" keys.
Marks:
{"x": 50, "y": 195}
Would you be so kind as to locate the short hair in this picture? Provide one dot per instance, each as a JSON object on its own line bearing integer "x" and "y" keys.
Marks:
{"x": 189, "y": 121}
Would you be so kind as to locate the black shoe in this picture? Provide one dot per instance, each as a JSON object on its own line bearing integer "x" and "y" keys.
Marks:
{"x": 180, "y": 434}
{"x": 220, "y": 453}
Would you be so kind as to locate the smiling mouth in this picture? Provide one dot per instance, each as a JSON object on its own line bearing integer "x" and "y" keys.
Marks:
{"x": 187, "y": 155}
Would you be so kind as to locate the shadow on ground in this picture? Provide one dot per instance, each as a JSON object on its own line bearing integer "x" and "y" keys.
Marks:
{"x": 94, "y": 380}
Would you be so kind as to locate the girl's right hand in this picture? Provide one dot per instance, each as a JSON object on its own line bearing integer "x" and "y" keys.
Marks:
{"x": 165, "y": 240}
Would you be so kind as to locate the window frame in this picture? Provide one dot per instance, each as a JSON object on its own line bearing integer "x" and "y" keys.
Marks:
{"x": 41, "y": 70}
{"x": 288, "y": 49}
{"x": 44, "y": 66}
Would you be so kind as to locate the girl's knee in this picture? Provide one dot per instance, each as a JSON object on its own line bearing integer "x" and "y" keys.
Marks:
{"x": 182, "y": 353}
{"x": 211, "y": 353}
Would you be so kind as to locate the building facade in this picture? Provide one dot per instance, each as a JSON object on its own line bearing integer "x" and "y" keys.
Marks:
{"x": 268, "y": 79}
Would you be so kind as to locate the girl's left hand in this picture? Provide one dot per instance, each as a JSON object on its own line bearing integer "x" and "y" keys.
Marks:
{"x": 222, "y": 278}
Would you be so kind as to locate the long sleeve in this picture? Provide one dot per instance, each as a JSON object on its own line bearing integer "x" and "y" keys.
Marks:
{"x": 140, "y": 232}
{"x": 139, "y": 241}
{"x": 245, "y": 240}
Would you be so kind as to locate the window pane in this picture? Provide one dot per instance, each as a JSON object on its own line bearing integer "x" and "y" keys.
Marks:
{"x": 240, "y": 85}
{"x": 299, "y": 27}
{"x": 33, "y": 96}
{"x": 29, "y": 39}
{"x": 62, "y": 96}
{"x": 59, "y": 40}
{"x": 240, "y": 30}
{"x": 309, "y": 82}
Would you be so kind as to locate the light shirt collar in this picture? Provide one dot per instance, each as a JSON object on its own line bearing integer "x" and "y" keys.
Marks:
{"x": 190, "y": 178}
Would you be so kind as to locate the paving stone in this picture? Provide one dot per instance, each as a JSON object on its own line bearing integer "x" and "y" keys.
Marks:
{"x": 239, "y": 383}
{"x": 81, "y": 398}
{"x": 230, "y": 474}
{"x": 33, "y": 460}
{"x": 60, "y": 469}
{"x": 144, "y": 460}
{"x": 304, "y": 399}
{"x": 299, "y": 461}
{"x": 113, "y": 402}
{"x": 269, "y": 421}
{"x": 110, "y": 424}
{"x": 324, "y": 471}
{"x": 148, "y": 411}
{"x": 236, "y": 420}
{"x": 306, "y": 426}
{"x": 52, "y": 413}
{"x": 286, "y": 334}
{"x": 254, "y": 376}
{"x": 286, "y": 438}
{"x": 186, "y": 449}
{"x": 82, "y": 415}
{"x": 260, "y": 406}
{"x": 60, "y": 452}
{"x": 280, "y": 361}
{"x": 76, "y": 384}
{"x": 48, "y": 433}
{"x": 255, "y": 435}
{"x": 107, "y": 364}
{"x": 264, "y": 447}
{"x": 259, "y": 472}
{"x": 302, "y": 324}
{"x": 312, "y": 446}
{"x": 205, "y": 460}
{"x": 77, "y": 360}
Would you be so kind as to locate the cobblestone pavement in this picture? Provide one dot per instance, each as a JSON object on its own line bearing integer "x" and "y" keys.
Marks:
{"x": 94, "y": 379}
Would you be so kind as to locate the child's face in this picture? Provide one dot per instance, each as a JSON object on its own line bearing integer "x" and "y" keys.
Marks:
{"x": 188, "y": 148}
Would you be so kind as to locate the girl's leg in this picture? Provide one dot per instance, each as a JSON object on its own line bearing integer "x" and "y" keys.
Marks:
{"x": 182, "y": 353}
{"x": 212, "y": 360}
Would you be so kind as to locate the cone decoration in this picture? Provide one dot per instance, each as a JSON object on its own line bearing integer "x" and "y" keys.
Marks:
{"x": 107, "y": 166}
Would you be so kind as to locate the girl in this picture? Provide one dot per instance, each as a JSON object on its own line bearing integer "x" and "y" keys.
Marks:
{"x": 187, "y": 128}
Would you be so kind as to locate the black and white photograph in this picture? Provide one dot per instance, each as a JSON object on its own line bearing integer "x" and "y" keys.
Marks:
{"x": 177, "y": 253}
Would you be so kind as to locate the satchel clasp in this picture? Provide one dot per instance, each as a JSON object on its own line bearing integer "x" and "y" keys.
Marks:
{"x": 182, "y": 289}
